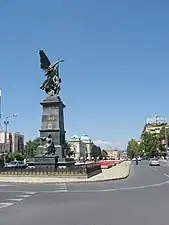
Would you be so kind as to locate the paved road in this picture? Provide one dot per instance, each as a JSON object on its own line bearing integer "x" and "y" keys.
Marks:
{"x": 141, "y": 199}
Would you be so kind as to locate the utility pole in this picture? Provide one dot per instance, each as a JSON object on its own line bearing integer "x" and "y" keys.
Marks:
{"x": 166, "y": 137}
{"x": 0, "y": 109}
{"x": 6, "y": 122}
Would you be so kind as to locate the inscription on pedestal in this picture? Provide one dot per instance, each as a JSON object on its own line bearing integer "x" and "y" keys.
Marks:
{"x": 48, "y": 118}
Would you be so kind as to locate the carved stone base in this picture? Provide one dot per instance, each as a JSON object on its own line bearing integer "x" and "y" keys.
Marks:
{"x": 65, "y": 162}
{"x": 46, "y": 161}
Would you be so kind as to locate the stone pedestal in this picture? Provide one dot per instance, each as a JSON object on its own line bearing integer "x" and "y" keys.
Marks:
{"x": 52, "y": 123}
{"x": 46, "y": 161}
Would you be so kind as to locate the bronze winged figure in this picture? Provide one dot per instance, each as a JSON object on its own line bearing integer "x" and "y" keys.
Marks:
{"x": 51, "y": 85}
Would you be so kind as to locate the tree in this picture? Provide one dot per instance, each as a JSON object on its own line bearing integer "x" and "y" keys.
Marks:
{"x": 132, "y": 148}
{"x": 15, "y": 156}
{"x": 31, "y": 147}
{"x": 95, "y": 151}
{"x": 68, "y": 150}
{"x": 141, "y": 149}
{"x": 149, "y": 144}
{"x": 104, "y": 154}
{"x": 164, "y": 133}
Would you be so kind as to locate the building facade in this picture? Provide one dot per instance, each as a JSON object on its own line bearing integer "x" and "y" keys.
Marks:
{"x": 154, "y": 125}
{"x": 81, "y": 146}
{"x": 113, "y": 153}
{"x": 77, "y": 147}
{"x": 89, "y": 145}
{"x": 14, "y": 142}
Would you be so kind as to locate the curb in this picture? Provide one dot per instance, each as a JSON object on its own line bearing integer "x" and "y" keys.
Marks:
{"x": 106, "y": 180}
{"x": 71, "y": 182}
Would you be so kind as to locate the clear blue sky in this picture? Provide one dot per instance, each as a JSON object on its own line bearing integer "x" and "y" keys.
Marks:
{"x": 116, "y": 70}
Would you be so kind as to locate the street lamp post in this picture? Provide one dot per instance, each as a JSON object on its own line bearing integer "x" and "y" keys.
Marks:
{"x": 166, "y": 137}
{"x": 6, "y": 122}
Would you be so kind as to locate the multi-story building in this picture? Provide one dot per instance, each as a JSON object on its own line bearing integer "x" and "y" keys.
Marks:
{"x": 89, "y": 145}
{"x": 17, "y": 142}
{"x": 154, "y": 125}
{"x": 14, "y": 142}
{"x": 123, "y": 154}
{"x": 81, "y": 146}
{"x": 113, "y": 153}
{"x": 77, "y": 147}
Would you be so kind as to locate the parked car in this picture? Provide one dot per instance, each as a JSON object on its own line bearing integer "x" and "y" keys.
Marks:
{"x": 11, "y": 164}
{"x": 154, "y": 162}
{"x": 15, "y": 164}
{"x": 30, "y": 165}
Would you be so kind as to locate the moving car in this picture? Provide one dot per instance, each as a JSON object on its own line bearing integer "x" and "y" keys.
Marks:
{"x": 154, "y": 162}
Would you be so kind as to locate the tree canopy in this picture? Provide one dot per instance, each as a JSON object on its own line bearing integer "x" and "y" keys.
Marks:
{"x": 104, "y": 154}
{"x": 68, "y": 151}
{"x": 95, "y": 151}
{"x": 132, "y": 148}
{"x": 31, "y": 146}
{"x": 15, "y": 156}
{"x": 150, "y": 145}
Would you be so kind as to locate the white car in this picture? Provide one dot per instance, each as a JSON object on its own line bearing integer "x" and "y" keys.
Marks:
{"x": 15, "y": 164}
{"x": 30, "y": 165}
{"x": 154, "y": 162}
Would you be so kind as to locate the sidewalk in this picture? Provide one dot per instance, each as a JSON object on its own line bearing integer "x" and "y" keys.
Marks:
{"x": 117, "y": 172}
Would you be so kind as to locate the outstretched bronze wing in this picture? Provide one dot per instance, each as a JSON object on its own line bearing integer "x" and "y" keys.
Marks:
{"x": 44, "y": 61}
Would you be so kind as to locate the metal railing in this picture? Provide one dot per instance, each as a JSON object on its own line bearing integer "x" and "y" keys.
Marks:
{"x": 51, "y": 171}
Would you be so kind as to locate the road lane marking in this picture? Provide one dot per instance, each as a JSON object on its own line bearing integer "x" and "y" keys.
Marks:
{"x": 23, "y": 196}
{"x": 59, "y": 191}
{"x": 153, "y": 168}
{"x": 29, "y": 192}
{"x": 165, "y": 165}
{"x": 120, "y": 189}
{"x": 61, "y": 187}
{"x": 166, "y": 175}
{"x": 4, "y": 205}
{"x": 15, "y": 199}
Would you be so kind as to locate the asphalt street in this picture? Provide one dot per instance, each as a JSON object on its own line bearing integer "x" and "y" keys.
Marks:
{"x": 142, "y": 199}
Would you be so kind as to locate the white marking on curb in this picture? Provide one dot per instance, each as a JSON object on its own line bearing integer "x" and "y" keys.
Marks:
{"x": 15, "y": 199}
{"x": 4, "y": 205}
{"x": 23, "y": 196}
